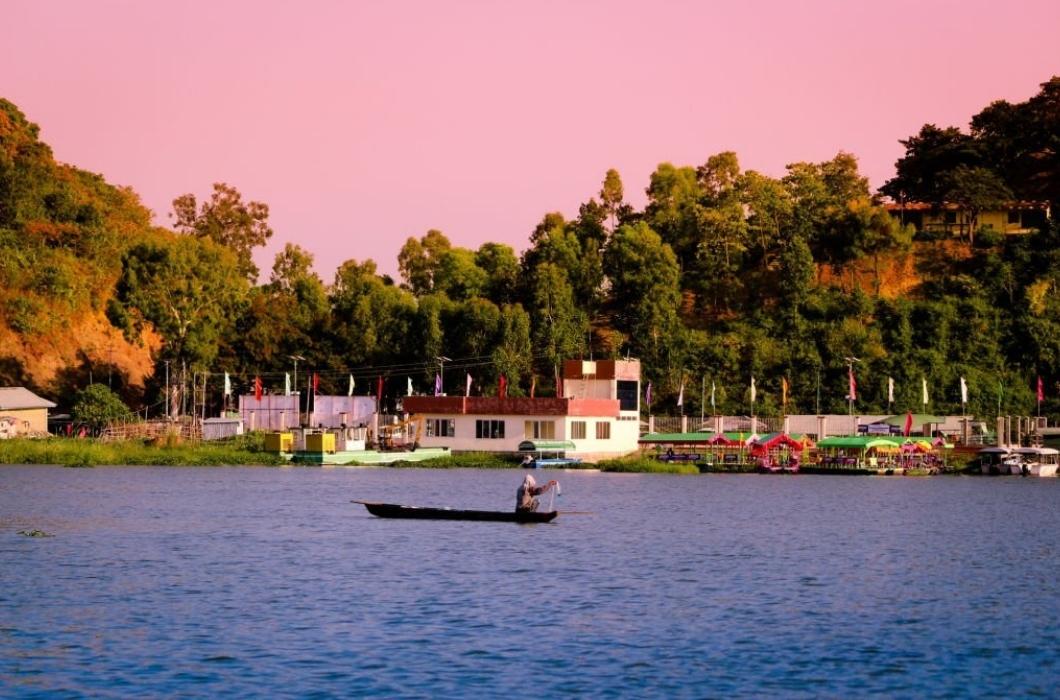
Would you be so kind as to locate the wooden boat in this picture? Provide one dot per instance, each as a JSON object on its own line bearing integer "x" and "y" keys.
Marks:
{"x": 392, "y": 510}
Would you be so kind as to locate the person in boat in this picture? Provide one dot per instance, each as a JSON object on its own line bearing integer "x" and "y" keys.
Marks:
{"x": 525, "y": 501}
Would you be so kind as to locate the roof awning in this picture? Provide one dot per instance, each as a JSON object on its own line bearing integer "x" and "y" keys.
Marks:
{"x": 545, "y": 445}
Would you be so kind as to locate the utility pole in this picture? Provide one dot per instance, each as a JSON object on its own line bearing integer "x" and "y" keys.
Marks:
{"x": 167, "y": 389}
{"x": 298, "y": 397}
{"x": 442, "y": 359}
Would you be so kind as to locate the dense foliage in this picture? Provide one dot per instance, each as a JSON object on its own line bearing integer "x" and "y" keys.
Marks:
{"x": 726, "y": 274}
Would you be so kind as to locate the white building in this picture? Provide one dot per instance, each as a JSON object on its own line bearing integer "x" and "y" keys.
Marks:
{"x": 598, "y": 411}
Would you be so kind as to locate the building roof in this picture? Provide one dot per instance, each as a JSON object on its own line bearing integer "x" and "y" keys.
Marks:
{"x": 951, "y": 206}
{"x": 13, "y": 398}
{"x": 510, "y": 406}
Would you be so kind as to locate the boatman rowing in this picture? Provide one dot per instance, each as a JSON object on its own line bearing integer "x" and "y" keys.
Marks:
{"x": 524, "y": 496}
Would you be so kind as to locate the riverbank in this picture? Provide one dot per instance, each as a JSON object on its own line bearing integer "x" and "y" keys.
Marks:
{"x": 244, "y": 451}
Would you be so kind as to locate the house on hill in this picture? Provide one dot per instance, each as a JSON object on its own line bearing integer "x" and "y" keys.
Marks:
{"x": 22, "y": 412}
{"x": 954, "y": 220}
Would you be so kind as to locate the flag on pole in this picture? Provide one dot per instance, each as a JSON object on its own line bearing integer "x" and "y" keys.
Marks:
{"x": 1041, "y": 390}
{"x": 890, "y": 390}
{"x": 502, "y": 387}
{"x": 753, "y": 393}
{"x": 712, "y": 404}
{"x": 559, "y": 383}
{"x": 783, "y": 391}
{"x": 908, "y": 423}
{"x": 228, "y": 385}
{"x": 316, "y": 382}
{"x": 379, "y": 393}
{"x": 349, "y": 391}
{"x": 286, "y": 383}
{"x": 647, "y": 395}
{"x": 533, "y": 385}
{"x": 923, "y": 392}
{"x": 408, "y": 390}
{"x": 852, "y": 385}
{"x": 437, "y": 384}
{"x": 681, "y": 395}
{"x": 257, "y": 388}
{"x": 964, "y": 391}
{"x": 467, "y": 388}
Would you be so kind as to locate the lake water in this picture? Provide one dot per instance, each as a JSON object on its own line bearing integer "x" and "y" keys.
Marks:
{"x": 243, "y": 582}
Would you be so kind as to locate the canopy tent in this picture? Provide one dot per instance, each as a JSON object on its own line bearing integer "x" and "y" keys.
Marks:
{"x": 776, "y": 441}
{"x": 858, "y": 443}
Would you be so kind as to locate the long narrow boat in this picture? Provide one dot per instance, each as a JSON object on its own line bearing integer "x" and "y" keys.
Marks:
{"x": 392, "y": 510}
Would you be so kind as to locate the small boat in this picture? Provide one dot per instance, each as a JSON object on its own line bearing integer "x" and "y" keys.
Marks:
{"x": 392, "y": 510}
{"x": 544, "y": 454}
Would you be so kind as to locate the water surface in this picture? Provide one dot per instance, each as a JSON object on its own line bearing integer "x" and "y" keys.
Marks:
{"x": 163, "y": 581}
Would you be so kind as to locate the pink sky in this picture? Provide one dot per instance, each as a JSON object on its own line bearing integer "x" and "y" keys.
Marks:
{"x": 361, "y": 124}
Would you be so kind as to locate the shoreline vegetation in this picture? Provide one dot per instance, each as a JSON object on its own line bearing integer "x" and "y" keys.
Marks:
{"x": 249, "y": 450}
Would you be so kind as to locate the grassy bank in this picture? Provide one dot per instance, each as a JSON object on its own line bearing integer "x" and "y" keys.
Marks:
{"x": 643, "y": 464}
{"x": 89, "y": 453}
{"x": 473, "y": 460}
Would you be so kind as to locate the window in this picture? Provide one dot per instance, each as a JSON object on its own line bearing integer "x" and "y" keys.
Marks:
{"x": 540, "y": 430}
{"x": 441, "y": 427}
{"x": 489, "y": 429}
{"x": 951, "y": 217}
{"x": 603, "y": 430}
{"x": 627, "y": 395}
{"x": 577, "y": 430}
{"x": 1014, "y": 216}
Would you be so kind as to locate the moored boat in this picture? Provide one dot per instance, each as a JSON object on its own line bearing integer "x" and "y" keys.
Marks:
{"x": 393, "y": 510}
{"x": 1038, "y": 461}
{"x": 996, "y": 461}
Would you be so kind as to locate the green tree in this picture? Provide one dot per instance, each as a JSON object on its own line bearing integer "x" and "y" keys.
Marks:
{"x": 227, "y": 221}
{"x": 188, "y": 289}
{"x": 419, "y": 260}
{"x": 611, "y": 195}
{"x": 97, "y": 406}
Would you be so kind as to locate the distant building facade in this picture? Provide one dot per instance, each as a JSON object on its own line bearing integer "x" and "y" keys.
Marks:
{"x": 954, "y": 220}
{"x": 24, "y": 411}
{"x": 598, "y": 412}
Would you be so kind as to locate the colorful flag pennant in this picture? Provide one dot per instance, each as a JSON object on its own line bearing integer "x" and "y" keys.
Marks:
{"x": 228, "y": 385}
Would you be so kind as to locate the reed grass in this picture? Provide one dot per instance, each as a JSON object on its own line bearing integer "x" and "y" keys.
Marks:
{"x": 648, "y": 465}
{"x": 74, "y": 452}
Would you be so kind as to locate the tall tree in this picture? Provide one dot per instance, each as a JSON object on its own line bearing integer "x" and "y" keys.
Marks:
{"x": 227, "y": 221}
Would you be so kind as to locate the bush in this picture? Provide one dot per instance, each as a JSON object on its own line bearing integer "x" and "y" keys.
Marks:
{"x": 96, "y": 406}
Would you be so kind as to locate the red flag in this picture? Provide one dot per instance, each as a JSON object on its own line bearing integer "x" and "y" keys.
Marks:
{"x": 502, "y": 390}
{"x": 1041, "y": 390}
{"x": 908, "y": 424}
{"x": 379, "y": 392}
{"x": 853, "y": 392}
{"x": 257, "y": 388}
{"x": 316, "y": 382}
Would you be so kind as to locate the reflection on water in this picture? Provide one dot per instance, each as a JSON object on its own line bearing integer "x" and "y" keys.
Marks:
{"x": 251, "y": 581}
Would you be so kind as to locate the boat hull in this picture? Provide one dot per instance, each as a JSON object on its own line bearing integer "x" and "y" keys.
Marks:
{"x": 392, "y": 510}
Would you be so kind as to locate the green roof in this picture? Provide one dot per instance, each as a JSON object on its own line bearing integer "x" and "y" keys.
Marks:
{"x": 676, "y": 437}
{"x": 545, "y": 445}
{"x": 859, "y": 442}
